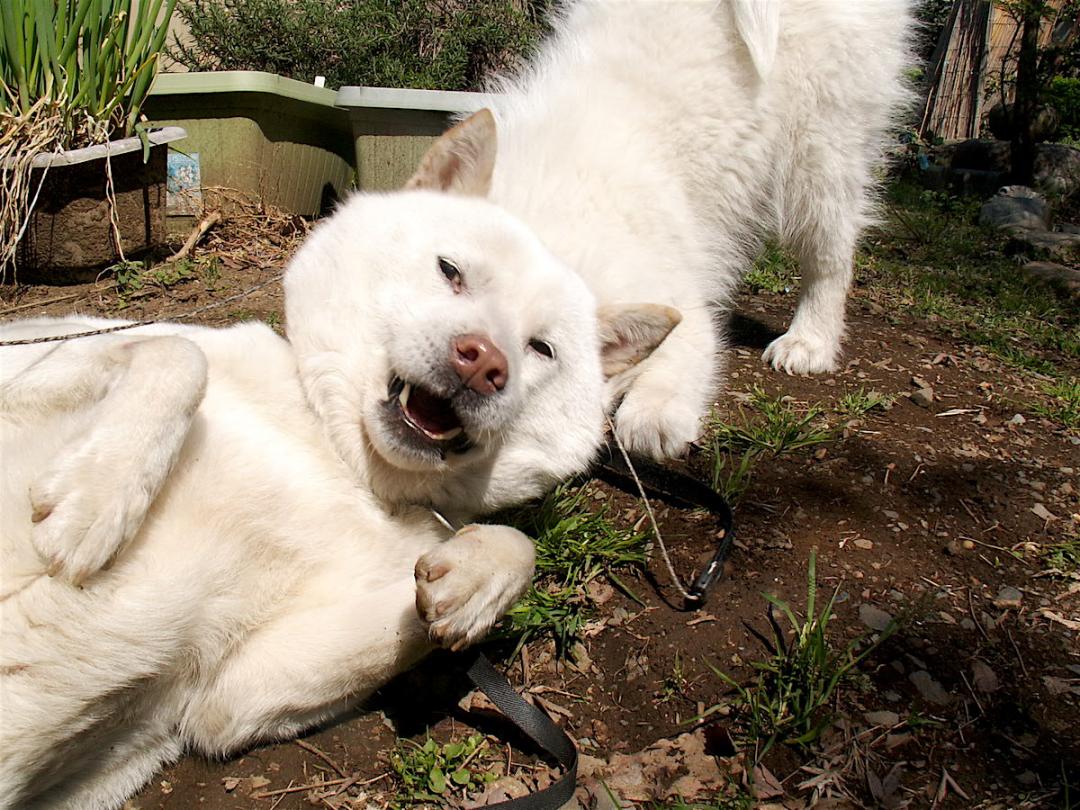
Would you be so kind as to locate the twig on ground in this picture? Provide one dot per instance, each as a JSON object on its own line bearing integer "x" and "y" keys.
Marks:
{"x": 323, "y": 756}
{"x": 208, "y": 222}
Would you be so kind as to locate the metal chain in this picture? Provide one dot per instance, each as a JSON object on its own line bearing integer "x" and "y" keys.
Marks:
{"x": 135, "y": 324}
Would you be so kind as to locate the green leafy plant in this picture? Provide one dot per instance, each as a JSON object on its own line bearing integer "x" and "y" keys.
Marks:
{"x": 787, "y": 701}
{"x": 856, "y": 404}
{"x": 72, "y": 73}
{"x": 431, "y": 772}
{"x": 767, "y": 427}
{"x": 774, "y": 271}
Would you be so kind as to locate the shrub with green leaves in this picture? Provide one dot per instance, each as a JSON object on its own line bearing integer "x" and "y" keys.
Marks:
{"x": 446, "y": 45}
{"x": 1063, "y": 95}
{"x": 433, "y": 773}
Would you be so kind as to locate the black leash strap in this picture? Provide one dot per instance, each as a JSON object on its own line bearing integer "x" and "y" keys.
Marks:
{"x": 679, "y": 490}
{"x": 675, "y": 488}
{"x": 535, "y": 725}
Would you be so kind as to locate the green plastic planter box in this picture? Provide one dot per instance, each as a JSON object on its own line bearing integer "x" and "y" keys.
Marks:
{"x": 277, "y": 139}
{"x": 393, "y": 128}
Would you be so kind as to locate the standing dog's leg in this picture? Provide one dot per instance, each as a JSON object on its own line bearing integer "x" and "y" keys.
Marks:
{"x": 125, "y": 405}
{"x": 827, "y": 200}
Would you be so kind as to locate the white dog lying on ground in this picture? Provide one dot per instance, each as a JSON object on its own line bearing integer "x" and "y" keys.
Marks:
{"x": 216, "y": 537}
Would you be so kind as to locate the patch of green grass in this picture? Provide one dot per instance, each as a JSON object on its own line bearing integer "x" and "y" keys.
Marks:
{"x": 576, "y": 542}
{"x": 858, "y": 403}
{"x": 774, "y": 271}
{"x": 932, "y": 258}
{"x": 766, "y": 427}
{"x": 788, "y": 700}
{"x": 1064, "y": 404}
{"x": 434, "y": 773}
{"x": 737, "y": 797}
{"x": 1064, "y": 556}
{"x": 675, "y": 684}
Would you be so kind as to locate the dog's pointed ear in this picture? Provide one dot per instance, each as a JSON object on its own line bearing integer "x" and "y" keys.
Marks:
{"x": 461, "y": 159}
{"x": 630, "y": 332}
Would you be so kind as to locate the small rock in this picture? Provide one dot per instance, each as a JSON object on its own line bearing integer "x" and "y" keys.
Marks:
{"x": 863, "y": 543}
{"x": 1056, "y": 274}
{"x": 874, "y": 617}
{"x": 1042, "y": 512}
{"x": 883, "y": 718}
{"x": 931, "y": 690}
{"x": 984, "y": 678}
{"x": 230, "y": 783}
{"x": 968, "y": 544}
{"x": 1027, "y": 778}
{"x": 1016, "y": 207}
{"x": 924, "y": 397}
{"x": 1008, "y": 597}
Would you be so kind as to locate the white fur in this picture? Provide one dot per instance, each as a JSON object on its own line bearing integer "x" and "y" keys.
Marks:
{"x": 214, "y": 537}
{"x": 205, "y": 541}
{"x": 652, "y": 144}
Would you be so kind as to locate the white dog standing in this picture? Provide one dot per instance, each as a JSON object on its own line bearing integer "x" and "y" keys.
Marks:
{"x": 216, "y": 537}
{"x": 653, "y": 143}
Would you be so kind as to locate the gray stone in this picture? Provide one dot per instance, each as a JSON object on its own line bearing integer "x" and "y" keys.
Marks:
{"x": 931, "y": 690}
{"x": 1042, "y": 244}
{"x": 1008, "y": 597}
{"x": 1057, "y": 169}
{"x": 1056, "y": 274}
{"x": 873, "y": 617}
{"x": 924, "y": 397}
{"x": 1016, "y": 207}
{"x": 884, "y": 718}
{"x": 984, "y": 678}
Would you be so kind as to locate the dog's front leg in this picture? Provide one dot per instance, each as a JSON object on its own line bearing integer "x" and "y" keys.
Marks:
{"x": 466, "y": 584}
{"x": 665, "y": 404}
{"x": 127, "y": 405}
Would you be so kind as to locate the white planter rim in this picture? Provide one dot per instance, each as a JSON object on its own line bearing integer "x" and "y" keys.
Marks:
{"x": 389, "y": 98}
{"x": 71, "y": 157}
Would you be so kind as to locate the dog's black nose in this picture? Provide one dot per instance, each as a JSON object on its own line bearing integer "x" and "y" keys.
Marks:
{"x": 479, "y": 363}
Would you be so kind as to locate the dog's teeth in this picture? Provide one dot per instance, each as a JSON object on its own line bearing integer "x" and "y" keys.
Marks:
{"x": 453, "y": 433}
{"x": 403, "y": 397}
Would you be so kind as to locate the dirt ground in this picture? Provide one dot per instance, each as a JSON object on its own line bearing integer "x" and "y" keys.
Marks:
{"x": 938, "y": 514}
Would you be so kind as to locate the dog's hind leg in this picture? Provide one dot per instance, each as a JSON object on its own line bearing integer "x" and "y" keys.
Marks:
{"x": 123, "y": 406}
{"x": 823, "y": 216}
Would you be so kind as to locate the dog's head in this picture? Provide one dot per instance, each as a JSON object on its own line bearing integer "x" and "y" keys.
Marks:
{"x": 451, "y": 357}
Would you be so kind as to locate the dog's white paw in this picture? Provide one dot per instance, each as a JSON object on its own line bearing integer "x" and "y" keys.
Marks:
{"x": 84, "y": 511}
{"x": 657, "y": 426}
{"x": 464, "y": 585}
{"x": 802, "y": 354}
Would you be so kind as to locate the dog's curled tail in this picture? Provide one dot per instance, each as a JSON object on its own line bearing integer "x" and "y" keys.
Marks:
{"x": 758, "y": 24}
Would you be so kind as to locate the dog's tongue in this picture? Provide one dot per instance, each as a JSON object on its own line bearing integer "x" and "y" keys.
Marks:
{"x": 430, "y": 413}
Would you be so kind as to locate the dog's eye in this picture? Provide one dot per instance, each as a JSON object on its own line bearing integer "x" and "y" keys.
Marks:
{"x": 540, "y": 347}
{"x": 453, "y": 275}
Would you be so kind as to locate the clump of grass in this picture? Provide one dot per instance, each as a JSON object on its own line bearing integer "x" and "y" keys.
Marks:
{"x": 768, "y": 427}
{"x": 434, "y": 773}
{"x": 774, "y": 271}
{"x": 788, "y": 699}
{"x": 858, "y": 403}
{"x": 1064, "y": 556}
{"x": 1064, "y": 404}
{"x": 576, "y": 542}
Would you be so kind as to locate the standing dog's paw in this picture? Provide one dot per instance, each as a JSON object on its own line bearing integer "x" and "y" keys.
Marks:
{"x": 658, "y": 427}
{"x": 84, "y": 512}
{"x": 802, "y": 354}
{"x": 464, "y": 585}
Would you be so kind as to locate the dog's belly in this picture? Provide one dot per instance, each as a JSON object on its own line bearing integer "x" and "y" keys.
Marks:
{"x": 258, "y": 523}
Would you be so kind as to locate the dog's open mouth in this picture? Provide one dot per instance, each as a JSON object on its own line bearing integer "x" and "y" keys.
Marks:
{"x": 428, "y": 415}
